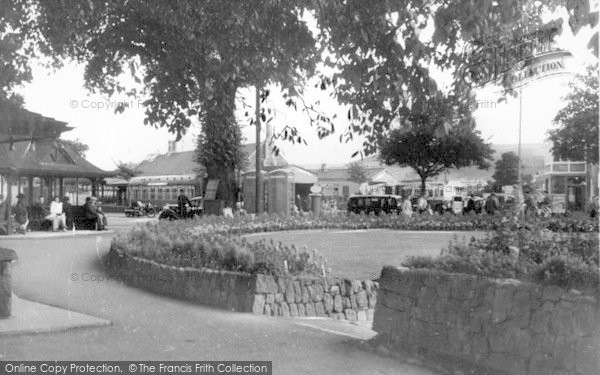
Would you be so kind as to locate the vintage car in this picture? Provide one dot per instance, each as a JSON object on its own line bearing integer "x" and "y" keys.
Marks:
{"x": 366, "y": 204}
{"x": 170, "y": 211}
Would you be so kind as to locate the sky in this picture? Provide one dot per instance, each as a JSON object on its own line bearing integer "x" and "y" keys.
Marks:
{"x": 114, "y": 138}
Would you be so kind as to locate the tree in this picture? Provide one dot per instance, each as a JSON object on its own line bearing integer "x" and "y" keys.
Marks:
{"x": 576, "y": 134}
{"x": 382, "y": 59}
{"x": 357, "y": 172}
{"x": 76, "y": 145}
{"x": 189, "y": 57}
{"x": 127, "y": 170}
{"x": 492, "y": 187}
{"x": 183, "y": 52}
{"x": 418, "y": 144}
{"x": 507, "y": 169}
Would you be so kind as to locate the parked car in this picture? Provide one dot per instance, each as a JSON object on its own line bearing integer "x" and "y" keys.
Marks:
{"x": 366, "y": 204}
{"x": 170, "y": 211}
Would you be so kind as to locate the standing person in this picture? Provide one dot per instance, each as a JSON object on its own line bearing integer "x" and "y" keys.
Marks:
{"x": 182, "y": 203}
{"x": 407, "y": 207}
{"x": 491, "y": 204}
{"x": 422, "y": 204}
{"x": 544, "y": 204}
{"x": 57, "y": 215}
{"x": 530, "y": 204}
{"x": 470, "y": 204}
{"x": 298, "y": 202}
{"x": 21, "y": 216}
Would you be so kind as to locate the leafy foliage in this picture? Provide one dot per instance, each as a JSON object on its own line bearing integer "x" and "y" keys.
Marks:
{"x": 77, "y": 146}
{"x": 382, "y": 59}
{"x": 565, "y": 259}
{"x": 507, "y": 169}
{"x": 576, "y": 134}
{"x": 357, "y": 172}
{"x": 419, "y": 144}
{"x": 183, "y": 53}
{"x": 183, "y": 246}
{"x": 127, "y": 170}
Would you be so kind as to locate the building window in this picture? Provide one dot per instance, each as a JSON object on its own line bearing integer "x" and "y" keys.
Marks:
{"x": 560, "y": 167}
{"x": 559, "y": 184}
{"x": 578, "y": 167}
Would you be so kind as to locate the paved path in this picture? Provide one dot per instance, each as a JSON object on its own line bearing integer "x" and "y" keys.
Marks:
{"x": 63, "y": 272}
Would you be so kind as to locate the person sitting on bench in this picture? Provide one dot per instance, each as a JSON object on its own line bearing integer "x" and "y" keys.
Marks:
{"x": 21, "y": 216}
{"x": 92, "y": 213}
{"x": 57, "y": 216}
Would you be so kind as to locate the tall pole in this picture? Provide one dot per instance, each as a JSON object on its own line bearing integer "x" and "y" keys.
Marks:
{"x": 519, "y": 179}
{"x": 259, "y": 180}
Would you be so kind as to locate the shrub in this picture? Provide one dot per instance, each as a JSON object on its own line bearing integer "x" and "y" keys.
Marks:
{"x": 174, "y": 244}
{"x": 543, "y": 256}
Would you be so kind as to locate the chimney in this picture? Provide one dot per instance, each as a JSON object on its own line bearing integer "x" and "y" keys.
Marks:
{"x": 172, "y": 146}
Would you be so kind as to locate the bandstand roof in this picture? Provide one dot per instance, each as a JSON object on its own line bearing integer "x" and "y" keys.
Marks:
{"x": 30, "y": 145}
{"x": 46, "y": 158}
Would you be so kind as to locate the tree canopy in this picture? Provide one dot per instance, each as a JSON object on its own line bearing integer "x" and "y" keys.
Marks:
{"x": 507, "y": 169}
{"x": 189, "y": 56}
{"x": 418, "y": 144}
{"x": 77, "y": 146}
{"x": 575, "y": 136}
{"x": 357, "y": 172}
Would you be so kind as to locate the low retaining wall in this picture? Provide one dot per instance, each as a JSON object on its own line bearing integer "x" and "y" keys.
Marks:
{"x": 259, "y": 294}
{"x": 7, "y": 256}
{"x": 489, "y": 326}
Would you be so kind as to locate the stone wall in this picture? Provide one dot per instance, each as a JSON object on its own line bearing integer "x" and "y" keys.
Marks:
{"x": 489, "y": 326}
{"x": 7, "y": 256}
{"x": 302, "y": 296}
{"x": 259, "y": 294}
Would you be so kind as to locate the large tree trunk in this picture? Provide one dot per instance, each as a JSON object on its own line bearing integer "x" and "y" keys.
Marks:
{"x": 423, "y": 187}
{"x": 222, "y": 140}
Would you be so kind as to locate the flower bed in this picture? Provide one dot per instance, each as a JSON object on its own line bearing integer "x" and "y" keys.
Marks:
{"x": 214, "y": 242}
{"x": 535, "y": 254}
{"x": 185, "y": 244}
{"x": 271, "y": 223}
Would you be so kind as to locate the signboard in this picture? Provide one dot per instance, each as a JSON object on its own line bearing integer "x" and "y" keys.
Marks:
{"x": 211, "y": 190}
{"x": 315, "y": 189}
{"x": 558, "y": 203}
{"x": 517, "y": 62}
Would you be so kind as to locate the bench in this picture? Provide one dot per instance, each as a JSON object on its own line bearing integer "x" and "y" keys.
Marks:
{"x": 77, "y": 217}
{"x": 37, "y": 219}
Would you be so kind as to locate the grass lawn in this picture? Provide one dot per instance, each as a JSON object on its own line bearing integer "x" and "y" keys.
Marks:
{"x": 360, "y": 254}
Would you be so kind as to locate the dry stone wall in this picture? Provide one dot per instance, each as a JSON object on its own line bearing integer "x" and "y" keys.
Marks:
{"x": 342, "y": 299}
{"x": 260, "y": 294}
{"x": 489, "y": 326}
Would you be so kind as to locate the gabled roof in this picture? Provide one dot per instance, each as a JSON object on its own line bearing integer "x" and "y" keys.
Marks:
{"x": 46, "y": 158}
{"x": 184, "y": 162}
{"x": 171, "y": 163}
{"x": 249, "y": 150}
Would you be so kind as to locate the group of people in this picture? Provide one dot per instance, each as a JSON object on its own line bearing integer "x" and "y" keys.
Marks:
{"x": 58, "y": 213}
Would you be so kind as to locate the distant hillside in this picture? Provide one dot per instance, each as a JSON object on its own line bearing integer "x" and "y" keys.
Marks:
{"x": 534, "y": 156}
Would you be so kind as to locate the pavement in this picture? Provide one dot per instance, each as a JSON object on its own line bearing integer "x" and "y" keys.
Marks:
{"x": 33, "y": 317}
{"x": 117, "y": 322}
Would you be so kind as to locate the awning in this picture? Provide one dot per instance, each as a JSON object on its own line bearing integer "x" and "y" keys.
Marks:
{"x": 301, "y": 176}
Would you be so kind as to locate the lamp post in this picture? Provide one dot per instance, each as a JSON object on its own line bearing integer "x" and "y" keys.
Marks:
{"x": 259, "y": 181}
